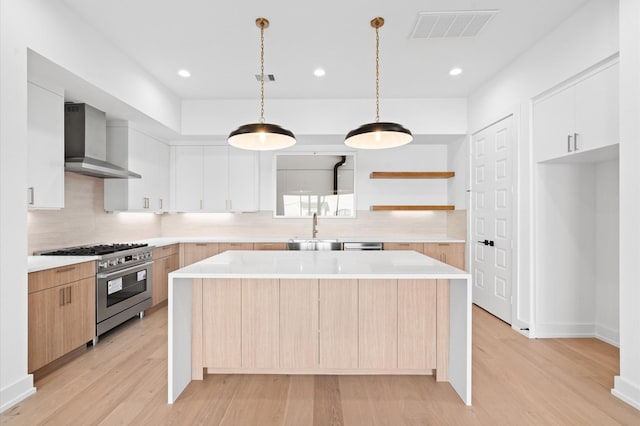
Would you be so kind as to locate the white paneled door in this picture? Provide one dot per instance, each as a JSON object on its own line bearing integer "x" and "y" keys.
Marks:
{"x": 492, "y": 218}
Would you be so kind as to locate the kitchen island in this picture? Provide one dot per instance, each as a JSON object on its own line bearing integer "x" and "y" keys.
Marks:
{"x": 320, "y": 312}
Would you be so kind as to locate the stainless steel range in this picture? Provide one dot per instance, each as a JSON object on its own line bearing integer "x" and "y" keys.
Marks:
{"x": 123, "y": 281}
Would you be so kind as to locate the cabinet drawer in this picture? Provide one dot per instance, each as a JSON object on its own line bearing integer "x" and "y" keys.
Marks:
{"x": 404, "y": 246}
{"x": 235, "y": 246}
{"x": 48, "y": 278}
{"x": 269, "y": 246}
{"x": 164, "y": 251}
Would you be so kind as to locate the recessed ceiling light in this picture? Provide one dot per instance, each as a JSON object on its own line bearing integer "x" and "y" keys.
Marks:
{"x": 455, "y": 71}
{"x": 319, "y": 72}
{"x": 184, "y": 73}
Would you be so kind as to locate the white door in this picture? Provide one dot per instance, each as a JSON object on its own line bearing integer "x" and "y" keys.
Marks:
{"x": 491, "y": 227}
{"x": 188, "y": 178}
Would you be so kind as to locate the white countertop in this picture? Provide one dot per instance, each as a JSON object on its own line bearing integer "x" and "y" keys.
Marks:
{"x": 164, "y": 241}
{"x": 320, "y": 264}
{"x": 40, "y": 263}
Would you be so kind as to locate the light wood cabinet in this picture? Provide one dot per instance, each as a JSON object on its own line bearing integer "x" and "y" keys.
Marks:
{"x": 452, "y": 254}
{"x": 417, "y": 324}
{"x": 269, "y": 246}
{"x": 298, "y": 323}
{"x": 45, "y": 148}
{"x": 235, "y": 246}
{"x": 449, "y": 253}
{"x": 62, "y": 316}
{"x": 321, "y": 325}
{"x": 222, "y": 323}
{"x": 378, "y": 324}
{"x": 404, "y": 246}
{"x": 581, "y": 116}
{"x": 194, "y": 252}
{"x": 165, "y": 259}
{"x": 260, "y": 323}
{"x": 338, "y": 324}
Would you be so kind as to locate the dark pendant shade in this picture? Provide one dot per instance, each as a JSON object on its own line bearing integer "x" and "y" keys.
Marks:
{"x": 379, "y": 135}
{"x": 261, "y": 137}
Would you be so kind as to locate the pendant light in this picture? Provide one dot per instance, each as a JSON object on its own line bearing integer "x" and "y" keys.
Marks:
{"x": 380, "y": 134}
{"x": 261, "y": 136}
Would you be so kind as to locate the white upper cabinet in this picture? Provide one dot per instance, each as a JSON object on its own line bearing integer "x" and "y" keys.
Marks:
{"x": 597, "y": 106}
{"x": 244, "y": 181}
{"x": 215, "y": 179}
{"x": 142, "y": 154}
{"x": 45, "y": 149}
{"x": 580, "y": 117}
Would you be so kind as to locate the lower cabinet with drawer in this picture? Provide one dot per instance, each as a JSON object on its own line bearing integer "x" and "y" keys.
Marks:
{"x": 449, "y": 253}
{"x": 195, "y": 252}
{"x": 165, "y": 259}
{"x": 62, "y": 312}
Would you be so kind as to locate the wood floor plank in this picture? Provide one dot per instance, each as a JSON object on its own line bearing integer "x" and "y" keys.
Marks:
{"x": 516, "y": 380}
{"x": 300, "y": 403}
{"x": 327, "y": 409}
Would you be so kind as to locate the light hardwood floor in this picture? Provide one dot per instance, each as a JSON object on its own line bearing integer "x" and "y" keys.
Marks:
{"x": 516, "y": 381}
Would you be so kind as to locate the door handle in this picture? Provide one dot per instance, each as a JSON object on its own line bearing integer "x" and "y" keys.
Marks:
{"x": 31, "y": 195}
{"x": 69, "y": 295}
{"x": 569, "y": 143}
{"x": 487, "y": 243}
{"x": 575, "y": 141}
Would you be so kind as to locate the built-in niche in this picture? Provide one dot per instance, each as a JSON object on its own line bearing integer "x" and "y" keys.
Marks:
{"x": 309, "y": 183}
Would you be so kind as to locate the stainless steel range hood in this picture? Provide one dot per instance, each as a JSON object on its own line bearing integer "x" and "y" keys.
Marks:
{"x": 85, "y": 143}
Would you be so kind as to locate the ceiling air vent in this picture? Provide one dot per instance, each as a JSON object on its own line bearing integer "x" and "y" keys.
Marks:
{"x": 267, "y": 77}
{"x": 454, "y": 24}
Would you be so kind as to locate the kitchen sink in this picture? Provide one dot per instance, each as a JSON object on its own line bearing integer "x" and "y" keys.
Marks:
{"x": 314, "y": 245}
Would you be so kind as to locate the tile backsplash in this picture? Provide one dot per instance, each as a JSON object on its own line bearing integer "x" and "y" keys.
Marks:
{"x": 84, "y": 221}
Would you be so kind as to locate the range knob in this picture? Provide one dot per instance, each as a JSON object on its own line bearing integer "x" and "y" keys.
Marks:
{"x": 102, "y": 265}
{"x": 121, "y": 260}
{"x": 113, "y": 262}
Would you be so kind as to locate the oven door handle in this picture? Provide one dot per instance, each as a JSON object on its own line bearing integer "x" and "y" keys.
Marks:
{"x": 123, "y": 271}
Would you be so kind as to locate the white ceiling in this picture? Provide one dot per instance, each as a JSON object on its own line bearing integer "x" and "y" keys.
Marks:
{"x": 219, "y": 43}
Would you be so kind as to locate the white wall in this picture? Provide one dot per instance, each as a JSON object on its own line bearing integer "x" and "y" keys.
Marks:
{"x": 52, "y": 30}
{"x": 565, "y": 250}
{"x": 627, "y": 384}
{"x": 586, "y": 38}
{"x": 607, "y": 251}
{"x": 57, "y": 33}
{"x": 458, "y": 162}
{"x": 325, "y": 116}
{"x": 15, "y": 383}
{"x": 577, "y": 234}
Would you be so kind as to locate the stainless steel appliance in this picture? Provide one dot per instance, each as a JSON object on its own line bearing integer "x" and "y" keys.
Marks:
{"x": 123, "y": 281}
{"x": 362, "y": 246}
{"x": 85, "y": 143}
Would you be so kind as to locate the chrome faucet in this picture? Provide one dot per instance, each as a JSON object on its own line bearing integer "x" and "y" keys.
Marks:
{"x": 314, "y": 226}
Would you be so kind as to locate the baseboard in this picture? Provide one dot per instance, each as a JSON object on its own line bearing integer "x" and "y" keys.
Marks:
{"x": 560, "y": 330}
{"x": 626, "y": 391}
{"x": 608, "y": 335}
{"x": 16, "y": 392}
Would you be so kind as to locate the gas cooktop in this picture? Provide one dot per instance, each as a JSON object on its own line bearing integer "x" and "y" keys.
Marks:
{"x": 95, "y": 250}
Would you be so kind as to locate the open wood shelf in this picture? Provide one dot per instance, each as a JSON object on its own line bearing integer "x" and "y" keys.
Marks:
{"x": 411, "y": 175}
{"x": 440, "y": 207}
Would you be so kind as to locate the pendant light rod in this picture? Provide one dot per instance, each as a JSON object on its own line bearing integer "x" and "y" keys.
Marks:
{"x": 261, "y": 136}
{"x": 378, "y": 135}
{"x": 262, "y": 23}
{"x": 377, "y": 23}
